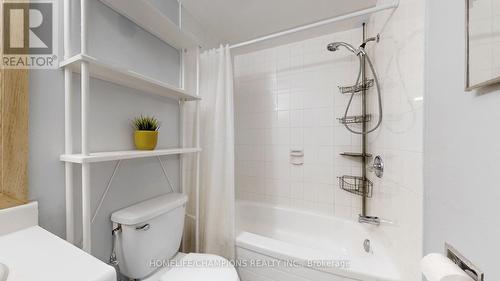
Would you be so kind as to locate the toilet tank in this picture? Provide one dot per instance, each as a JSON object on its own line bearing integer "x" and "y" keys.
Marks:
{"x": 151, "y": 234}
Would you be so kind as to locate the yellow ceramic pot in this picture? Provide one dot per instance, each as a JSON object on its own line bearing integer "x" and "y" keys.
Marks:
{"x": 146, "y": 140}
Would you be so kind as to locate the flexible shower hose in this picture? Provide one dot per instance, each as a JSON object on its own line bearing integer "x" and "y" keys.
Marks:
{"x": 362, "y": 54}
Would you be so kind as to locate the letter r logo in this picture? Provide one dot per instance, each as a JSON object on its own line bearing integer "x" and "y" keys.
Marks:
{"x": 27, "y": 28}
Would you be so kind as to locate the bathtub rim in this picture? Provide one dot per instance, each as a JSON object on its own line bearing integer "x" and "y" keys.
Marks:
{"x": 392, "y": 273}
{"x": 270, "y": 247}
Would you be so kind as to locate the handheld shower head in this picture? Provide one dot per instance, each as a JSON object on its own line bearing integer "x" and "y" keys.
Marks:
{"x": 363, "y": 57}
{"x": 332, "y": 47}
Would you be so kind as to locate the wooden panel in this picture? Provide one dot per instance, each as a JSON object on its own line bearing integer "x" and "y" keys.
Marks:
{"x": 1, "y": 131}
{"x": 8, "y": 202}
{"x": 14, "y": 105}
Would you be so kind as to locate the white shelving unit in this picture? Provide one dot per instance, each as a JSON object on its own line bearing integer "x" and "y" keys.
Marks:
{"x": 124, "y": 155}
{"x": 155, "y": 23}
{"x": 127, "y": 78}
{"x": 152, "y": 20}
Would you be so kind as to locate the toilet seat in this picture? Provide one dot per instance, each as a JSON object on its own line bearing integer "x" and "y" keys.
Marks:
{"x": 201, "y": 267}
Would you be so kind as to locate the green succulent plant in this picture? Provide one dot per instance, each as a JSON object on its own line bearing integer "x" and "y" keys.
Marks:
{"x": 146, "y": 123}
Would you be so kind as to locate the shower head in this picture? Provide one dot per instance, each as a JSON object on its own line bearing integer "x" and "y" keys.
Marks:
{"x": 332, "y": 47}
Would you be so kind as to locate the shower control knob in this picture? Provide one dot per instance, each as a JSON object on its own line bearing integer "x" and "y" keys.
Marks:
{"x": 378, "y": 167}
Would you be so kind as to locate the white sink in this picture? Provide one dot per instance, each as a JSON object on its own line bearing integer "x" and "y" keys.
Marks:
{"x": 34, "y": 254}
{"x": 4, "y": 272}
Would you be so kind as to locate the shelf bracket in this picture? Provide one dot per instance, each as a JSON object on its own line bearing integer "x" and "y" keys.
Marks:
{"x": 101, "y": 201}
{"x": 166, "y": 174}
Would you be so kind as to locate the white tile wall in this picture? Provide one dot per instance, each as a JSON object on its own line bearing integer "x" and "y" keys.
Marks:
{"x": 398, "y": 196}
{"x": 287, "y": 98}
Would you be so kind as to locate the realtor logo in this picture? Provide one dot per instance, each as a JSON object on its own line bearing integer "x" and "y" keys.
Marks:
{"x": 29, "y": 34}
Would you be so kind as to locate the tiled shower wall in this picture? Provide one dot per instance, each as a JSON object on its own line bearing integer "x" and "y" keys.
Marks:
{"x": 286, "y": 98}
{"x": 399, "y": 59}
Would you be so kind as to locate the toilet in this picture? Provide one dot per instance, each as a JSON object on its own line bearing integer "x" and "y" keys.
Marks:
{"x": 148, "y": 243}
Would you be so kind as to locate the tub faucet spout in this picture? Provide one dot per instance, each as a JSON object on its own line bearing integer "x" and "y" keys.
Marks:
{"x": 369, "y": 220}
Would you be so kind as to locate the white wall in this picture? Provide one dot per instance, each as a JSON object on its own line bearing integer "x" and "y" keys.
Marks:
{"x": 286, "y": 97}
{"x": 117, "y": 40}
{"x": 461, "y": 147}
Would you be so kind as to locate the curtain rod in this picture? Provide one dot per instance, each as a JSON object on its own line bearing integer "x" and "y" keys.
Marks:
{"x": 394, "y": 5}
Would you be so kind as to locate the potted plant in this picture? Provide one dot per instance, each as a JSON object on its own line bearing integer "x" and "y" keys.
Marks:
{"x": 146, "y": 132}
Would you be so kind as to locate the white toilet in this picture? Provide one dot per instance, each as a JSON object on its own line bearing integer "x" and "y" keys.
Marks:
{"x": 149, "y": 240}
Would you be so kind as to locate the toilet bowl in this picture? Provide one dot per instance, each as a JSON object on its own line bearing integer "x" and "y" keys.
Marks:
{"x": 149, "y": 239}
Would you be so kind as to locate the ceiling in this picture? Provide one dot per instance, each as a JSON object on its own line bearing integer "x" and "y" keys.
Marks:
{"x": 234, "y": 21}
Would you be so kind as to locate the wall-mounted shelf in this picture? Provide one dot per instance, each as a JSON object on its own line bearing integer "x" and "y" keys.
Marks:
{"x": 356, "y": 185}
{"x": 356, "y": 154}
{"x": 127, "y": 78}
{"x": 357, "y": 88}
{"x": 355, "y": 119}
{"x": 123, "y": 155}
{"x": 145, "y": 15}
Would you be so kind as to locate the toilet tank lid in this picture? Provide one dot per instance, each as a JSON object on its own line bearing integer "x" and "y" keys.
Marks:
{"x": 149, "y": 209}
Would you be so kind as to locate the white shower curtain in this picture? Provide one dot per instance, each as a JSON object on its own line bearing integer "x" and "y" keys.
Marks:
{"x": 217, "y": 158}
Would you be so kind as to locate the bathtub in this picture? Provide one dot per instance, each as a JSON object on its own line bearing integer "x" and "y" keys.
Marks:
{"x": 281, "y": 244}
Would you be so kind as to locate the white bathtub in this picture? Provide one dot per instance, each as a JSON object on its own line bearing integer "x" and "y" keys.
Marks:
{"x": 280, "y": 244}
